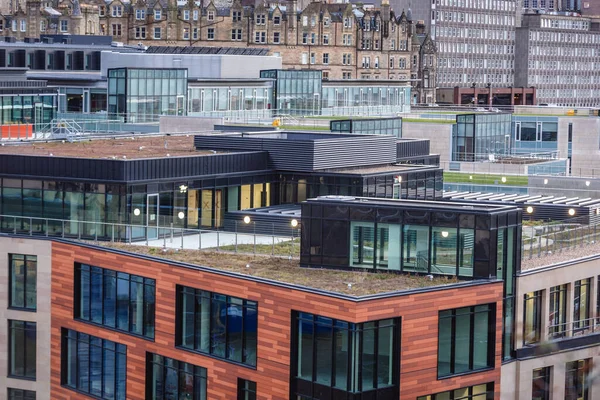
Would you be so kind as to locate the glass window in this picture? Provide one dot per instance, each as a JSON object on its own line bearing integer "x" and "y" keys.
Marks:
{"x": 362, "y": 244}
{"x": 576, "y": 379}
{"x": 246, "y": 389}
{"x": 22, "y": 349}
{"x": 466, "y": 339}
{"x": 171, "y": 379}
{"x": 558, "y": 311}
{"x": 23, "y": 281}
{"x": 532, "y": 320}
{"x": 223, "y": 326}
{"x": 541, "y": 383}
{"x": 444, "y": 248}
{"x": 93, "y": 365}
{"x": 581, "y": 305}
{"x": 115, "y": 299}
{"x": 20, "y": 394}
{"x": 346, "y": 356}
{"x": 415, "y": 251}
{"x": 479, "y": 392}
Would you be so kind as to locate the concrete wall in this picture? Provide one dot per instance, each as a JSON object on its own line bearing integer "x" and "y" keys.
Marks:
{"x": 42, "y": 249}
{"x": 175, "y": 124}
{"x": 586, "y": 145}
{"x": 439, "y": 135}
{"x": 206, "y": 66}
{"x": 564, "y": 186}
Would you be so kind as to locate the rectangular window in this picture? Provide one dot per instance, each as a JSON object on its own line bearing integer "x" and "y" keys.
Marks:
{"x": 140, "y": 14}
{"x": 581, "y": 305}
{"x": 479, "y": 392}
{"x": 246, "y": 389}
{"x": 577, "y": 379}
{"x": 140, "y": 32}
{"x": 173, "y": 379}
{"x": 23, "y": 25}
{"x": 195, "y": 14}
{"x": 20, "y": 394}
{"x": 115, "y": 299}
{"x": 223, "y": 326}
{"x": 570, "y": 137}
{"x": 275, "y": 37}
{"x": 236, "y": 34}
{"x": 93, "y": 365}
{"x": 157, "y": 33}
{"x": 23, "y": 281}
{"x": 325, "y": 58}
{"x": 186, "y": 33}
{"x": 237, "y": 16}
{"x": 349, "y": 357}
{"x": 532, "y": 320}
{"x": 186, "y": 15}
{"x": 22, "y": 349}
{"x": 541, "y": 383}
{"x": 195, "y": 33}
{"x": 466, "y": 339}
{"x": 116, "y": 29}
{"x": 325, "y": 40}
{"x": 157, "y": 14}
{"x": 211, "y": 34}
{"x": 64, "y": 25}
{"x": 558, "y": 311}
{"x": 211, "y": 16}
{"x": 276, "y": 20}
{"x": 101, "y": 11}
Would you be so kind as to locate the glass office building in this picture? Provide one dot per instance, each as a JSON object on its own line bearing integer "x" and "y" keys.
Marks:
{"x": 221, "y": 99}
{"x": 296, "y": 92}
{"x": 478, "y": 137}
{"x": 366, "y": 97}
{"x": 142, "y": 95}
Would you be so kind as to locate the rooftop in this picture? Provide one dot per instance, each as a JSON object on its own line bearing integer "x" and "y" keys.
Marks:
{"x": 384, "y": 168}
{"x": 131, "y": 147}
{"x": 288, "y": 271}
{"x": 548, "y": 259}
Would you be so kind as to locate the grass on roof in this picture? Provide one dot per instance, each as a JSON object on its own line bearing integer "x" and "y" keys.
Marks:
{"x": 485, "y": 179}
{"x": 283, "y": 269}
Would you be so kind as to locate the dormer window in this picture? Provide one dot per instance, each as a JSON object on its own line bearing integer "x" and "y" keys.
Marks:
{"x": 236, "y": 16}
{"x": 140, "y": 14}
{"x": 276, "y": 20}
{"x": 157, "y": 14}
{"x": 313, "y": 20}
{"x": 260, "y": 19}
{"x": 211, "y": 16}
{"x": 347, "y": 23}
{"x": 326, "y": 21}
{"x": 102, "y": 11}
{"x": 117, "y": 11}
{"x": 195, "y": 15}
{"x": 305, "y": 21}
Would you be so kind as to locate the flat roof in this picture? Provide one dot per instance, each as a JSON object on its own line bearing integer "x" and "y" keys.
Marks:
{"x": 512, "y": 198}
{"x": 399, "y": 168}
{"x": 281, "y": 269}
{"x": 421, "y": 204}
{"x": 575, "y": 253}
{"x": 119, "y": 147}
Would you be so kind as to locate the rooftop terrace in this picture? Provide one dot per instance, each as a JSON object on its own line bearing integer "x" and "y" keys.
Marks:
{"x": 289, "y": 271}
{"x": 115, "y": 147}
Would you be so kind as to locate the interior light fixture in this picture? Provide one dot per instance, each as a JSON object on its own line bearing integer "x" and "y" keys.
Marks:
{"x": 246, "y": 219}
{"x": 445, "y": 234}
{"x": 136, "y": 212}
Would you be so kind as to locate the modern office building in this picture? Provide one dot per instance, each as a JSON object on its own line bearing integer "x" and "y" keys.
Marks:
{"x": 557, "y": 53}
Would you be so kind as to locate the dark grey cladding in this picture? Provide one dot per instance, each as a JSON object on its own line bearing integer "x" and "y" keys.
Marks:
{"x": 412, "y": 148}
{"x": 122, "y": 171}
{"x": 305, "y": 152}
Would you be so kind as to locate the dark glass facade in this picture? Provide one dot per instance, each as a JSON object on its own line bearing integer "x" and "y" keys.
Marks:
{"x": 477, "y": 136}
{"x": 94, "y": 366}
{"x": 168, "y": 379}
{"x": 532, "y": 317}
{"x": 23, "y": 282}
{"x": 478, "y": 392}
{"x": 466, "y": 341}
{"x": 142, "y": 95}
{"x": 396, "y": 236}
{"x": 379, "y": 126}
{"x": 22, "y": 349}
{"x": 335, "y": 358}
{"x": 219, "y": 325}
{"x": 115, "y": 299}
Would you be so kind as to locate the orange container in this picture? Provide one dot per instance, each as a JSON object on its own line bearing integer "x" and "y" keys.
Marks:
{"x": 16, "y": 131}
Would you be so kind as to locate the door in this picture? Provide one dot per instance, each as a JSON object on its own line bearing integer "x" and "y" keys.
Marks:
{"x": 152, "y": 217}
{"x": 38, "y": 116}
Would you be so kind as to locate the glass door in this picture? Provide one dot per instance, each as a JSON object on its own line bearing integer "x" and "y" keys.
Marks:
{"x": 152, "y": 217}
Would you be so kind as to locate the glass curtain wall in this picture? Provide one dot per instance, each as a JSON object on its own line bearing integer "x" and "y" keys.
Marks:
{"x": 382, "y": 126}
{"x": 35, "y": 108}
{"x": 296, "y": 92}
{"x": 350, "y": 100}
{"x": 477, "y": 136}
{"x": 230, "y": 100}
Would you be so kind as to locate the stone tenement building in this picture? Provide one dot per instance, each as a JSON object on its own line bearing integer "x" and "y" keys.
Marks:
{"x": 339, "y": 39}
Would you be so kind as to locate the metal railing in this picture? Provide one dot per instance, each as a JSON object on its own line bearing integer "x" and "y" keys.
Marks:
{"x": 243, "y": 240}
{"x": 574, "y": 328}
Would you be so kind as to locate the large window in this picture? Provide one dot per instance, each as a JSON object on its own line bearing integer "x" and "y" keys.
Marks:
{"x": 581, "y": 305}
{"x": 171, "y": 379}
{"x": 23, "y": 280}
{"x": 344, "y": 356}
{"x": 20, "y": 394}
{"x": 558, "y": 311}
{"x": 532, "y": 318}
{"x": 576, "y": 379}
{"x": 479, "y": 392}
{"x": 541, "y": 383}
{"x": 94, "y": 366}
{"x": 223, "y": 326}
{"x": 115, "y": 299}
{"x": 246, "y": 389}
{"x": 22, "y": 349}
{"x": 466, "y": 339}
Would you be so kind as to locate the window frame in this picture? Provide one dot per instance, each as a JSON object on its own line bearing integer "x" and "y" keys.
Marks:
{"x": 10, "y": 282}
{"x": 545, "y": 378}
{"x": 182, "y": 369}
{"x": 27, "y": 326}
{"x": 536, "y": 298}
{"x": 24, "y": 395}
{"x": 246, "y": 389}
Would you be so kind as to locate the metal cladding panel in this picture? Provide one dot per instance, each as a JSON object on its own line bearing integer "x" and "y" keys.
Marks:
{"x": 412, "y": 148}
{"x": 353, "y": 152}
{"x": 227, "y": 143}
{"x": 60, "y": 168}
